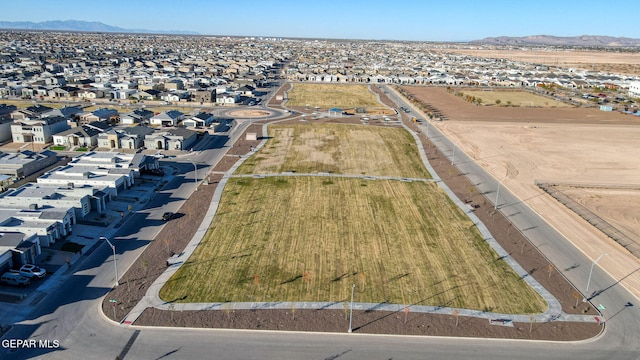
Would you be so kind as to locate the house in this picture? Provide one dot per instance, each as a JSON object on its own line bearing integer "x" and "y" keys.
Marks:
{"x": 634, "y": 89}
{"x": 171, "y": 139}
{"x": 174, "y": 85}
{"x": 138, "y": 116}
{"x": 36, "y": 111}
{"x": 68, "y": 112}
{"x": 167, "y": 118}
{"x": 25, "y": 163}
{"x": 17, "y": 249}
{"x": 203, "y": 96}
{"x": 202, "y": 119}
{"x": 123, "y": 94}
{"x": 6, "y": 110}
{"x": 85, "y": 136}
{"x": 149, "y": 94}
{"x": 64, "y": 92}
{"x": 39, "y": 131}
{"x": 228, "y": 98}
{"x": 100, "y": 115}
{"x": 112, "y": 179}
{"x": 175, "y": 96}
{"x": 82, "y": 199}
{"x": 48, "y": 224}
{"x": 124, "y": 138}
{"x": 246, "y": 90}
{"x": 90, "y": 94}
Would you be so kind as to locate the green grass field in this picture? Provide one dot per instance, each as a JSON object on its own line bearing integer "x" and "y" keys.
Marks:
{"x": 326, "y": 96}
{"x": 311, "y": 238}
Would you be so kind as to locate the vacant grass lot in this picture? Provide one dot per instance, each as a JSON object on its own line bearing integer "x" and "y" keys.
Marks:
{"x": 338, "y": 148}
{"x": 515, "y": 98}
{"x": 326, "y": 96}
{"x": 311, "y": 238}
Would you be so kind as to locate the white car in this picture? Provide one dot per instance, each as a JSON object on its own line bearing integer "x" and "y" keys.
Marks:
{"x": 31, "y": 271}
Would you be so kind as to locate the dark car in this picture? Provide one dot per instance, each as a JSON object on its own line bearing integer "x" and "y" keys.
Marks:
{"x": 167, "y": 216}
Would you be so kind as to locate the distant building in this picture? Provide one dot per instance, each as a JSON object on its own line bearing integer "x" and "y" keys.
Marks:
{"x": 26, "y": 162}
{"x": 39, "y": 131}
{"x": 634, "y": 89}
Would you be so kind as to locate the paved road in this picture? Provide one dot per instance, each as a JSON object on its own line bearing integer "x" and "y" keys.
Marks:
{"x": 72, "y": 316}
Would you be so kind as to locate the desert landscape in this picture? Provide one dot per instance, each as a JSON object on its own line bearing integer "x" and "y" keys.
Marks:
{"x": 526, "y": 145}
{"x": 605, "y": 61}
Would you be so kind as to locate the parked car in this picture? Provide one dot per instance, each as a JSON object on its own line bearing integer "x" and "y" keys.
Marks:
{"x": 15, "y": 279}
{"x": 167, "y": 216}
{"x": 31, "y": 271}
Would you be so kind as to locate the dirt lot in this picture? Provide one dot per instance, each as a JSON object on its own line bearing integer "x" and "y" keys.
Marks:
{"x": 152, "y": 262}
{"x": 621, "y": 62}
{"x": 559, "y": 145}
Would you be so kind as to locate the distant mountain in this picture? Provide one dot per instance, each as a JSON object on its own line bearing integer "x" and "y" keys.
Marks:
{"x": 88, "y": 26}
{"x": 584, "y": 40}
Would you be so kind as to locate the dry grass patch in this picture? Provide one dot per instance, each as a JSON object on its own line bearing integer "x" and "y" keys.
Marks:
{"x": 327, "y": 96}
{"x": 515, "y": 98}
{"x": 338, "y": 148}
{"x": 311, "y": 238}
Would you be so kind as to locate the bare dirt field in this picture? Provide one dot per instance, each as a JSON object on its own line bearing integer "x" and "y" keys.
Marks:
{"x": 565, "y": 145}
{"x": 622, "y": 62}
{"x": 618, "y": 207}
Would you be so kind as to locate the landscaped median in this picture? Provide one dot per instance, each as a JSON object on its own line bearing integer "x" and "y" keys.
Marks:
{"x": 310, "y": 238}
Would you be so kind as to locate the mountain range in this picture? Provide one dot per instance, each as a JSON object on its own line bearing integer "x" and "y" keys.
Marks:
{"x": 584, "y": 40}
{"x": 87, "y": 26}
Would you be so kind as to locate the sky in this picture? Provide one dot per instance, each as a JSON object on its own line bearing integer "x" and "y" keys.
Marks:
{"x": 426, "y": 20}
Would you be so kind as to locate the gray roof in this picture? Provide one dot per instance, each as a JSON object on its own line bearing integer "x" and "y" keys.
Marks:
{"x": 185, "y": 133}
{"x": 138, "y": 130}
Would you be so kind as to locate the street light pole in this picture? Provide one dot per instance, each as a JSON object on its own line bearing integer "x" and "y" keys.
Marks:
{"x": 115, "y": 264}
{"x": 453, "y": 158}
{"x": 351, "y": 308}
{"x": 586, "y": 290}
{"x": 195, "y": 170}
{"x": 495, "y": 205}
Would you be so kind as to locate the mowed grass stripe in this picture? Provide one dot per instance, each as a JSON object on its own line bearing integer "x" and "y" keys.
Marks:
{"x": 338, "y": 148}
{"x": 399, "y": 242}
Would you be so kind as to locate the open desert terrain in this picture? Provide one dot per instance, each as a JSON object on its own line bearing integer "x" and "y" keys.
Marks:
{"x": 612, "y": 61}
{"x": 525, "y": 145}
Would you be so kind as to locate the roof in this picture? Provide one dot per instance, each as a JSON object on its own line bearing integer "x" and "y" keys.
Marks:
{"x": 203, "y": 116}
{"x": 138, "y": 130}
{"x": 185, "y": 133}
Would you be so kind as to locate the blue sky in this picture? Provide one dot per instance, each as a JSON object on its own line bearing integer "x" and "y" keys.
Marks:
{"x": 425, "y": 20}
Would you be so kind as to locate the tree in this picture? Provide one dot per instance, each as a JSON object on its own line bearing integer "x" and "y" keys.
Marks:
{"x": 307, "y": 276}
{"x": 498, "y": 101}
{"x": 455, "y": 313}
{"x": 362, "y": 278}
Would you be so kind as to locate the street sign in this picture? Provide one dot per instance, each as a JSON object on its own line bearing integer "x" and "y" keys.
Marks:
{"x": 601, "y": 307}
